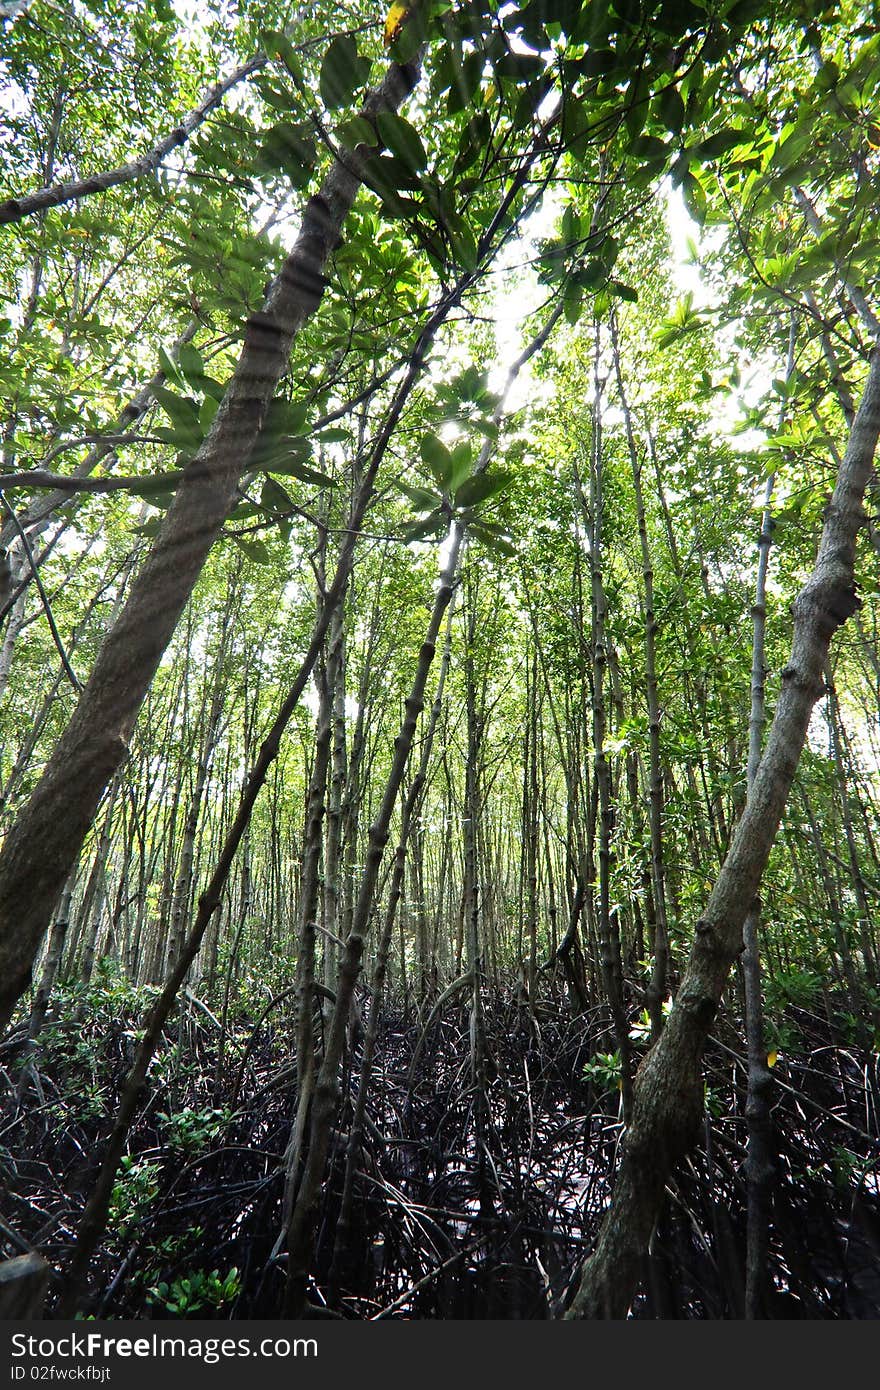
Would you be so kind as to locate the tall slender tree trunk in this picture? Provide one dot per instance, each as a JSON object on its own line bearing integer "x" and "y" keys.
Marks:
{"x": 607, "y": 923}
{"x": 760, "y": 1160}
{"x": 656, "y": 992}
{"x": 300, "y": 1224}
{"x": 409, "y": 813}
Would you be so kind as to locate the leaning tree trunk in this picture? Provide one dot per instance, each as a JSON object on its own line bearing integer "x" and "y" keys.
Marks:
{"x": 668, "y": 1097}
{"x": 43, "y": 844}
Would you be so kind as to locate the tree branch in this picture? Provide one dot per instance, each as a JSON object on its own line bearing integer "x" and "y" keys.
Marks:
{"x": 17, "y": 209}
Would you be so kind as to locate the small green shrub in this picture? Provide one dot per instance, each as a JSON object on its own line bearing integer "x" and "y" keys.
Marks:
{"x": 196, "y": 1291}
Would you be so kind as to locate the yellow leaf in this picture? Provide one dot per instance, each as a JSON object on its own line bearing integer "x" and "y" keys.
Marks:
{"x": 772, "y": 1059}
{"x": 395, "y": 20}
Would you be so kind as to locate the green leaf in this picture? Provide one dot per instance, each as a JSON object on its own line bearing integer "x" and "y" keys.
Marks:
{"x": 572, "y": 300}
{"x": 181, "y": 411}
{"x": 259, "y": 553}
{"x": 431, "y": 525}
{"x": 207, "y": 412}
{"x": 290, "y": 148}
{"x": 386, "y": 175}
{"x": 402, "y": 139}
{"x": 575, "y": 127}
{"x": 460, "y": 77}
{"x": 475, "y": 138}
{"x": 342, "y": 72}
{"x": 280, "y": 98}
{"x": 277, "y": 46}
{"x": 719, "y": 144}
{"x": 591, "y": 275}
{"x": 622, "y": 291}
{"x": 795, "y": 142}
{"x": 649, "y": 147}
{"x": 274, "y": 498}
{"x": 438, "y": 458}
{"x": 487, "y": 428}
{"x": 293, "y": 468}
{"x": 192, "y": 364}
{"x": 600, "y": 62}
{"x": 479, "y": 489}
{"x": 463, "y": 242}
{"x": 672, "y": 111}
{"x": 357, "y": 131}
{"x": 334, "y": 436}
{"x": 178, "y": 438}
{"x": 744, "y": 11}
{"x": 462, "y": 464}
{"x": 412, "y": 34}
{"x": 493, "y": 539}
{"x": 148, "y": 528}
{"x": 694, "y": 197}
{"x": 518, "y": 67}
{"x": 170, "y": 368}
{"x": 295, "y": 417}
{"x": 423, "y": 499}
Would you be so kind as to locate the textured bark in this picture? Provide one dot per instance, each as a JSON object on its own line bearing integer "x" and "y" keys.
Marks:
{"x": 42, "y": 846}
{"x": 43, "y": 992}
{"x": 668, "y": 1094}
